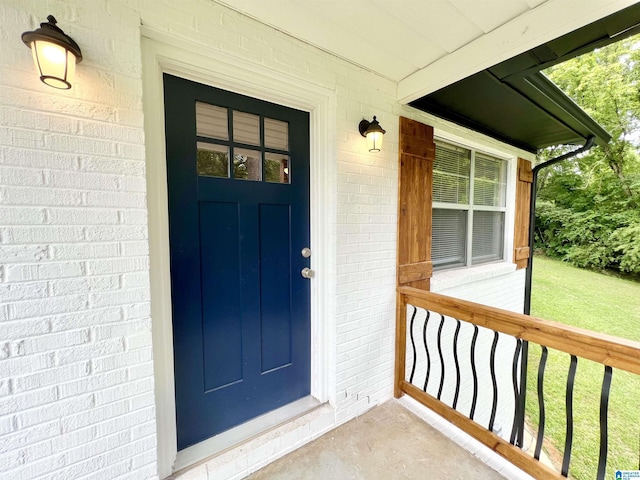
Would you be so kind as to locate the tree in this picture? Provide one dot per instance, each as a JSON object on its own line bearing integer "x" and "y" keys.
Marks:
{"x": 589, "y": 205}
{"x": 606, "y": 84}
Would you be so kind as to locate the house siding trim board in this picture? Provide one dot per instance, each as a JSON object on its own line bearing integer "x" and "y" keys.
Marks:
{"x": 79, "y": 174}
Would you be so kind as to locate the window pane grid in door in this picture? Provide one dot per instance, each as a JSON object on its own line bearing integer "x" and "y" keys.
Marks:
{"x": 260, "y": 145}
{"x": 276, "y": 168}
{"x": 211, "y": 121}
{"x": 246, "y": 128}
{"x": 276, "y": 134}
{"x": 212, "y": 160}
{"x": 247, "y": 164}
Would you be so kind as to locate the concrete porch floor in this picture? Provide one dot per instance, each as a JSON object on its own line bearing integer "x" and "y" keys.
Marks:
{"x": 387, "y": 442}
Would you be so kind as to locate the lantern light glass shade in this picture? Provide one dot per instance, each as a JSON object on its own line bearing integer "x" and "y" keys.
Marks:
{"x": 55, "y": 65}
{"x": 373, "y": 132}
{"x": 374, "y": 141}
{"x": 55, "y": 54}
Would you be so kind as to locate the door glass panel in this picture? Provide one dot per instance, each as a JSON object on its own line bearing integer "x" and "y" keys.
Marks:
{"x": 247, "y": 164}
{"x": 276, "y": 134}
{"x": 276, "y": 168}
{"x": 213, "y": 160}
{"x": 211, "y": 121}
{"x": 246, "y": 128}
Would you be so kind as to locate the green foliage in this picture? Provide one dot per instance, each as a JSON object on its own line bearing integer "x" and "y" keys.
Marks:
{"x": 215, "y": 163}
{"x": 589, "y": 239}
{"x": 588, "y": 206}
{"x": 212, "y": 163}
{"x": 627, "y": 242}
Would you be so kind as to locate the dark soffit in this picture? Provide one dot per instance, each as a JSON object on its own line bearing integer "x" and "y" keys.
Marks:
{"x": 517, "y": 104}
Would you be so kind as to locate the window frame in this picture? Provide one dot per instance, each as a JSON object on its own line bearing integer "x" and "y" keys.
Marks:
{"x": 470, "y": 207}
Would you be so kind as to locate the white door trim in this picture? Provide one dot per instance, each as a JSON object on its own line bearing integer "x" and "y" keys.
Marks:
{"x": 162, "y": 53}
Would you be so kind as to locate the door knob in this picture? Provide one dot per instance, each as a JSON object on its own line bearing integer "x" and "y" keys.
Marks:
{"x": 307, "y": 272}
{"x": 306, "y": 252}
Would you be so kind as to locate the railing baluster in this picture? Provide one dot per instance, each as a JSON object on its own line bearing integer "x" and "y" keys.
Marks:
{"x": 441, "y": 356}
{"x": 474, "y": 372}
{"x": 543, "y": 362}
{"x": 455, "y": 359}
{"x": 569, "y": 404}
{"x": 516, "y": 391}
{"x": 494, "y": 381}
{"x": 426, "y": 349}
{"x": 522, "y": 400}
{"x": 413, "y": 345}
{"x": 604, "y": 428}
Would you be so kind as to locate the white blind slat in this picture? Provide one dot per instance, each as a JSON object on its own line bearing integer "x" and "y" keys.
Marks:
{"x": 276, "y": 134}
{"x": 488, "y": 237}
{"x": 490, "y": 183}
{"x": 246, "y": 128}
{"x": 449, "y": 237}
{"x": 451, "y": 171}
{"x": 211, "y": 121}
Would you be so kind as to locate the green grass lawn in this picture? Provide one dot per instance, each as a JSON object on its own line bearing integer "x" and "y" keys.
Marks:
{"x": 604, "y": 304}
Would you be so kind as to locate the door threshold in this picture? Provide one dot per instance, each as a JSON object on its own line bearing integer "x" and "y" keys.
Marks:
{"x": 244, "y": 432}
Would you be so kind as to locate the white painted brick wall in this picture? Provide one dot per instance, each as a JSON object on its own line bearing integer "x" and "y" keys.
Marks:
{"x": 76, "y": 390}
{"x": 496, "y": 285}
{"x": 76, "y": 373}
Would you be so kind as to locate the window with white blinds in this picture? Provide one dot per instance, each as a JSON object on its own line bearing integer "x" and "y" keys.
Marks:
{"x": 469, "y": 204}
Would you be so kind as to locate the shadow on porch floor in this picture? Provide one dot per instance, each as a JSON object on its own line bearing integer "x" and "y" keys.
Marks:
{"x": 387, "y": 442}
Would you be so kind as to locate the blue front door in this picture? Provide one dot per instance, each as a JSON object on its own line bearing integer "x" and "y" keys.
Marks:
{"x": 238, "y": 188}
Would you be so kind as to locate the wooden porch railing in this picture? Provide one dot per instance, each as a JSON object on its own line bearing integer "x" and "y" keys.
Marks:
{"x": 611, "y": 352}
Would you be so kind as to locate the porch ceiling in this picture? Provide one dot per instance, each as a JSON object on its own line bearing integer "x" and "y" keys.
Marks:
{"x": 473, "y": 62}
{"x": 426, "y": 44}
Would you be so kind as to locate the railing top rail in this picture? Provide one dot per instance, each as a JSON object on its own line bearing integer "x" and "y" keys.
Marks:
{"x": 605, "y": 349}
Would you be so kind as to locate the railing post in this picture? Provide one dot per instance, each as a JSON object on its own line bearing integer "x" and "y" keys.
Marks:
{"x": 401, "y": 343}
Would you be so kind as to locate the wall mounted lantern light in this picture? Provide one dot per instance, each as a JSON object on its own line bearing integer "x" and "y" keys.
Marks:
{"x": 373, "y": 132}
{"x": 54, "y": 53}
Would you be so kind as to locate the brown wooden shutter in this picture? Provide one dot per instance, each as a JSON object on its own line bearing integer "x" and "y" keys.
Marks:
{"x": 415, "y": 176}
{"x": 521, "y": 250}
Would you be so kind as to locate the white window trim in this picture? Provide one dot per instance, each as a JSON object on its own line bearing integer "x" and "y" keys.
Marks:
{"x": 510, "y": 195}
